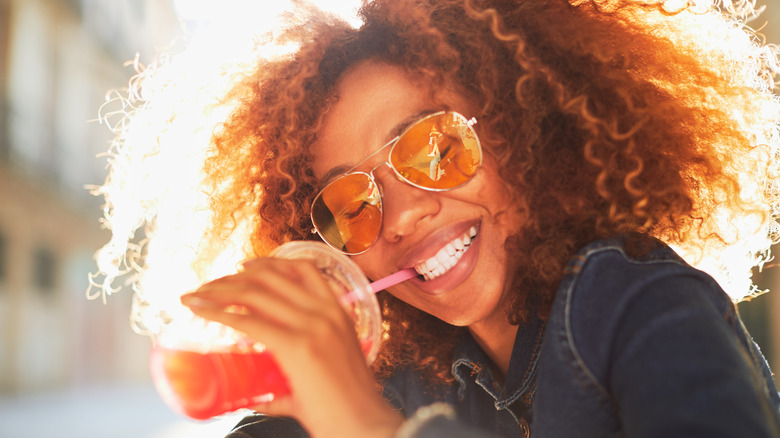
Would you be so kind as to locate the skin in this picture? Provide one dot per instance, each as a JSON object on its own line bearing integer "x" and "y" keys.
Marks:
{"x": 378, "y": 100}
{"x": 288, "y": 305}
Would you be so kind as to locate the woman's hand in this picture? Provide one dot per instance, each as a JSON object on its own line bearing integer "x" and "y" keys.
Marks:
{"x": 288, "y": 306}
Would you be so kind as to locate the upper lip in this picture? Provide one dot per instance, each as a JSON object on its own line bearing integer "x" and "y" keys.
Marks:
{"x": 429, "y": 246}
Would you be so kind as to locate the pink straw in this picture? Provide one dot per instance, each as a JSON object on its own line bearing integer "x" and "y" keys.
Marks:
{"x": 382, "y": 284}
{"x": 393, "y": 279}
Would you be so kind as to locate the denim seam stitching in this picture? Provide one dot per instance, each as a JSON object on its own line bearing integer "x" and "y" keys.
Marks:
{"x": 567, "y": 336}
{"x": 587, "y": 379}
{"x": 528, "y": 384}
{"x": 527, "y": 387}
{"x": 461, "y": 381}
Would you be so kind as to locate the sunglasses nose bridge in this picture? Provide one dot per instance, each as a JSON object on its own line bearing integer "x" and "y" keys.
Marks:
{"x": 385, "y": 162}
{"x": 387, "y": 174}
{"x": 372, "y": 172}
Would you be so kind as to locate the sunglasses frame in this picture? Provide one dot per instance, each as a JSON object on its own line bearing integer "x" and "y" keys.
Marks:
{"x": 469, "y": 122}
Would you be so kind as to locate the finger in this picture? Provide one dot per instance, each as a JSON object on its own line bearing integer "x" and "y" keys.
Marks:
{"x": 238, "y": 294}
{"x": 319, "y": 283}
{"x": 295, "y": 350}
{"x": 268, "y": 331}
{"x": 301, "y": 273}
{"x": 297, "y": 278}
{"x": 279, "y": 313}
{"x": 283, "y": 406}
{"x": 250, "y": 312}
{"x": 257, "y": 289}
{"x": 249, "y": 293}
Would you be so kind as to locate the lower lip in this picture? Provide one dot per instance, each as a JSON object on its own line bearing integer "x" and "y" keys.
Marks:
{"x": 455, "y": 276}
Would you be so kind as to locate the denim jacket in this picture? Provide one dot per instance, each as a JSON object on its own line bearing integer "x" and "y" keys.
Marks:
{"x": 643, "y": 347}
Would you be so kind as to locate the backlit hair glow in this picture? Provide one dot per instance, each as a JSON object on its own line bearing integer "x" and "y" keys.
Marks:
{"x": 606, "y": 117}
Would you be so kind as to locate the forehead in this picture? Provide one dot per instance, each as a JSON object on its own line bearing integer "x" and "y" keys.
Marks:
{"x": 374, "y": 102}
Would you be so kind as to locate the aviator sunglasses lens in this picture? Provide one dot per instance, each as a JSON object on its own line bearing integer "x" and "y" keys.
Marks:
{"x": 440, "y": 152}
{"x": 348, "y": 213}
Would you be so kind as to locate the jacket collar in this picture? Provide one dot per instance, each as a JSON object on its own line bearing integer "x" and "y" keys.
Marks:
{"x": 472, "y": 364}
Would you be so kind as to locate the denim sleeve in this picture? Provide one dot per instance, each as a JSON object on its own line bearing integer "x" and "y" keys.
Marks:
{"x": 434, "y": 421}
{"x": 263, "y": 426}
{"x": 437, "y": 421}
{"x": 677, "y": 367}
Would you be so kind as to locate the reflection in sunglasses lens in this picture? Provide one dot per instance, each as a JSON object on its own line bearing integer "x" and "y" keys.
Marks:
{"x": 348, "y": 213}
{"x": 438, "y": 153}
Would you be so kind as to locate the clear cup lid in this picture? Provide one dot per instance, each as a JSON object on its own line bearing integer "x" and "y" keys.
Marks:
{"x": 348, "y": 283}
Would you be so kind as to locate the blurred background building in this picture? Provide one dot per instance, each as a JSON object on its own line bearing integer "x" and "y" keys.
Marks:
{"x": 58, "y": 350}
{"x": 73, "y": 360}
{"x": 59, "y": 58}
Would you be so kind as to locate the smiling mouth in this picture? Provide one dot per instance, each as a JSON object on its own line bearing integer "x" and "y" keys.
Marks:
{"x": 447, "y": 257}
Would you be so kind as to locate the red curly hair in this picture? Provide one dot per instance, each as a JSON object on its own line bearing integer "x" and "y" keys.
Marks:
{"x": 606, "y": 117}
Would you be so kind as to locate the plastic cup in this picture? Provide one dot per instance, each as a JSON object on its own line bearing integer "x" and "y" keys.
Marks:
{"x": 204, "y": 369}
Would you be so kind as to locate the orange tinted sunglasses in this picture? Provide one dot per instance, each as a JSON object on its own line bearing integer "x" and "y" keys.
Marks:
{"x": 438, "y": 152}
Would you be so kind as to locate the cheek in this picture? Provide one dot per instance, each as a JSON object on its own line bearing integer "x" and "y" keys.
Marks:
{"x": 371, "y": 262}
{"x": 490, "y": 192}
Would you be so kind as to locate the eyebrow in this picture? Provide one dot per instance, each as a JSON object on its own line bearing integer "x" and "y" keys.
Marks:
{"x": 404, "y": 124}
{"x": 331, "y": 174}
{"x": 393, "y": 134}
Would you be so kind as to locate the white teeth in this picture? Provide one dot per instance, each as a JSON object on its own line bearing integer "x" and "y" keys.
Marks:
{"x": 451, "y": 249}
{"x": 445, "y": 260}
{"x": 447, "y": 257}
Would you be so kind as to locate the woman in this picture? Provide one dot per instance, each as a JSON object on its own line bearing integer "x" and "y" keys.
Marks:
{"x": 560, "y": 146}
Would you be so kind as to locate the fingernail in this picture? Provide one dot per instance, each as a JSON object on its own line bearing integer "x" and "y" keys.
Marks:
{"x": 191, "y": 300}
{"x": 249, "y": 262}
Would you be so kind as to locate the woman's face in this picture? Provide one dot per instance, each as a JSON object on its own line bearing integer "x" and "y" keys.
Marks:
{"x": 375, "y": 102}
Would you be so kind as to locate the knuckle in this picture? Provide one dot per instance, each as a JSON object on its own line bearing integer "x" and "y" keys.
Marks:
{"x": 320, "y": 333}
{"x": 322, "y": 326}
{"x": 308, "y": 267}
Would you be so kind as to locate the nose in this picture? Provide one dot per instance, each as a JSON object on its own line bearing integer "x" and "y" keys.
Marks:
{"x": 405, "y": 206}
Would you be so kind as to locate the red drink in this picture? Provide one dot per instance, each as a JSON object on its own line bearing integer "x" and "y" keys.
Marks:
{"x": 203, "y": 369}
{"x": 204, "y": 385}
